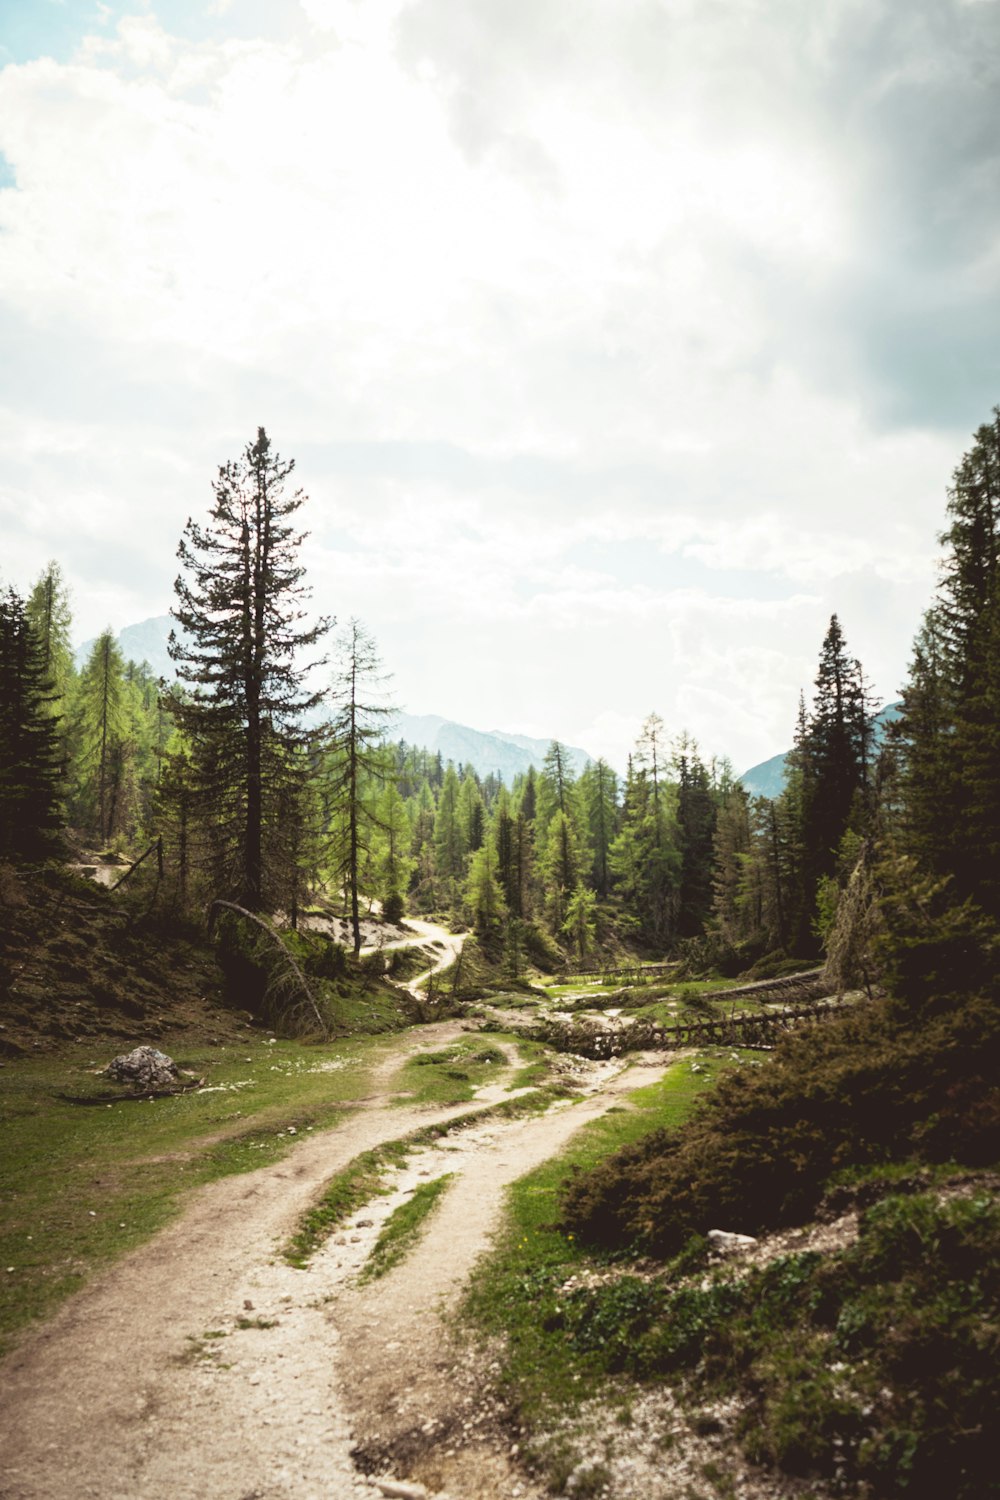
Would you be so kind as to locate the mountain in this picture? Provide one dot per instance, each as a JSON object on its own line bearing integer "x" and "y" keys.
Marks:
{"x": 497, "y": 750}
{"x": 768, "y": 778}
{"x": 144, "y": 642}
{"x": 509, "y": 755}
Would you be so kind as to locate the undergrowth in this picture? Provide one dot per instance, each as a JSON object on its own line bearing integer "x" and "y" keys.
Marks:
{"x": 873, "y": 1368}
{"x": 522, "y": 1278}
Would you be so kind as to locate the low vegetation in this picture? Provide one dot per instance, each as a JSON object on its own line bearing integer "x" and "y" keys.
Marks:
{"x": 88, "y": 1174}
{"x": 534, "y": 1256}
{"x": 403, "y": 1227}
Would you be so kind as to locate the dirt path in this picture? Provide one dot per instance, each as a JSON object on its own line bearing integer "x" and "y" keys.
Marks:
{"x": 205, "y": 1368}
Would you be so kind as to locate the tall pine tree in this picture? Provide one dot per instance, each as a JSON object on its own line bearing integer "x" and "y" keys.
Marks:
{"x": 243, "y": 630}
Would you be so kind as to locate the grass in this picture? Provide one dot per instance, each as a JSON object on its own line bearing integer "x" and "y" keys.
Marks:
{"x": 367, "y": 1176}
{"x": 519, "y": 1284}
{"x": 451, "y": 1075}
{"x": 363, "y": 1179}
{"x": 402, "y": 1228}
{"x": 84, "y": 1183}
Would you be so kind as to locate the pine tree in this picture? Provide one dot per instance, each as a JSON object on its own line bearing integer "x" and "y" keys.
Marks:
{"x": 449, "y": 845}
{"x": 394, "y": 863}
{"x": 560, "y": 867}
{"x": 580, "y": 924}
{"x": 29, "y": 753}
{"x": 696, "y": 834}
{"x": 827, "y": 786}
{"x": 239, "y": 609}
{"x": 483, "y": 896}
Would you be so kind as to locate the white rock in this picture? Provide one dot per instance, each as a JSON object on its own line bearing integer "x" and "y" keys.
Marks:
{"x": 727, "y": 1243}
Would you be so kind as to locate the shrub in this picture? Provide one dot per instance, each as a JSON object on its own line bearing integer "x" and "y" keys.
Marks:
{"x": 759, "y": 1150}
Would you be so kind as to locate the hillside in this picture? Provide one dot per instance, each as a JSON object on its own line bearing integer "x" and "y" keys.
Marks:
{"x": 768, "y": 778}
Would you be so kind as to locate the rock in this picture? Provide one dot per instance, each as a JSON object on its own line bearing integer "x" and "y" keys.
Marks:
{"x": 397, "y": 1489}
{"x": 726, "y": 1243}
{"x": 144, "y": 1068}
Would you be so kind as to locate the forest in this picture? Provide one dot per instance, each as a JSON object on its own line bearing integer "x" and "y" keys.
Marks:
{"x": 269, "y": 771}
{"x": 266, "y": 778}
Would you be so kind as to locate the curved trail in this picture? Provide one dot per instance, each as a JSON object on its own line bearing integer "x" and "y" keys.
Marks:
{"x": 204, "y": 1368}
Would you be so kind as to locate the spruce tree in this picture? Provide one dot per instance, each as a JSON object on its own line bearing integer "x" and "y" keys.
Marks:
{"x": 244, "y": 697}
{"x": 950, "y": 730}
{"x": 29, "y": 753}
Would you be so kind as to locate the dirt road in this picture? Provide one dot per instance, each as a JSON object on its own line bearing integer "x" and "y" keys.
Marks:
{"x": 203, "y": 1367}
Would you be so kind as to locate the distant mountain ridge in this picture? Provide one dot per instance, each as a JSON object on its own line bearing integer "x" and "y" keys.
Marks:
{"x": 507, "y": 754}
{"x": 142, "y": 642}
{"x": 768, "y": 778}
{"x": 497, "y": 750}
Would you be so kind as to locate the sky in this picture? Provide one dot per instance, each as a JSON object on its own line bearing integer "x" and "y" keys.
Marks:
{"x": 618, "y": 343}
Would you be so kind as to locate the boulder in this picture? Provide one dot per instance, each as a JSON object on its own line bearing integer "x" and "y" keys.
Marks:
{"x": 144, "y": 1068}
{"x": 723, "y": 1242}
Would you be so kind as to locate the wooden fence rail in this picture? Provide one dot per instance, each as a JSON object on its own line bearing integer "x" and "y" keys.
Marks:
{"x": 741, "y": 1029}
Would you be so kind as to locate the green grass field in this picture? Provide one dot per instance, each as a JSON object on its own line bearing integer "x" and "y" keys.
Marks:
{"x": 81, "y": 1183}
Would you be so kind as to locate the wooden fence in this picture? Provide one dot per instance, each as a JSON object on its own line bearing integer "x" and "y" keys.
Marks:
{"x": 740, "y": 1029}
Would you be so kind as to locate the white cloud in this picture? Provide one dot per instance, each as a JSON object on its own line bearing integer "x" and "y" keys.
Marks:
{"x": 573, "y": 323}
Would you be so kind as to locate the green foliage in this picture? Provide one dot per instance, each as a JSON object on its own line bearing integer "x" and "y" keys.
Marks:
{"x": 520, "y": 1287}
{"x": 239, "y": 598}
{"x": 860, "y": 1089}
{"x": 950, "y": 730}
{"x": 580, "y": 924}
{"x": 29, "y": 753}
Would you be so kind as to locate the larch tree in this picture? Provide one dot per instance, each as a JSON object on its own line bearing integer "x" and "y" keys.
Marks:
{"x": 48, "y": 612}
{"x": 361, "y": 764}
{"x": 101, "y": 735}
{"x": 244, "y": 697}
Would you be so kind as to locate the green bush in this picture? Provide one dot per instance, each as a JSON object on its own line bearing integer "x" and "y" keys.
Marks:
{"x": 757, "y": 1154}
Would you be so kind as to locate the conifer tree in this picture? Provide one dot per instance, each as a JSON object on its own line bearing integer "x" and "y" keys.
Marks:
{"x": 49, "y": 615}
{"x": 950, "y": 730}
{"x": 394, "y": 863}
{"x": 598, "y": 789}
{"x": 29, "y": 755}
{"x": 361, "y": 762}
{"x": 449, "y": 844}
{"x": 696, "y": 833}
{"x": 239, "y": 607}
{"x": 102, "y": 725}
{"x": 483, "y": 896}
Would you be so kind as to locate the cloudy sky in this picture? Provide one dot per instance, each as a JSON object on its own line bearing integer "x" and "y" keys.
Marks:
{"x": 617, "y": 342}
